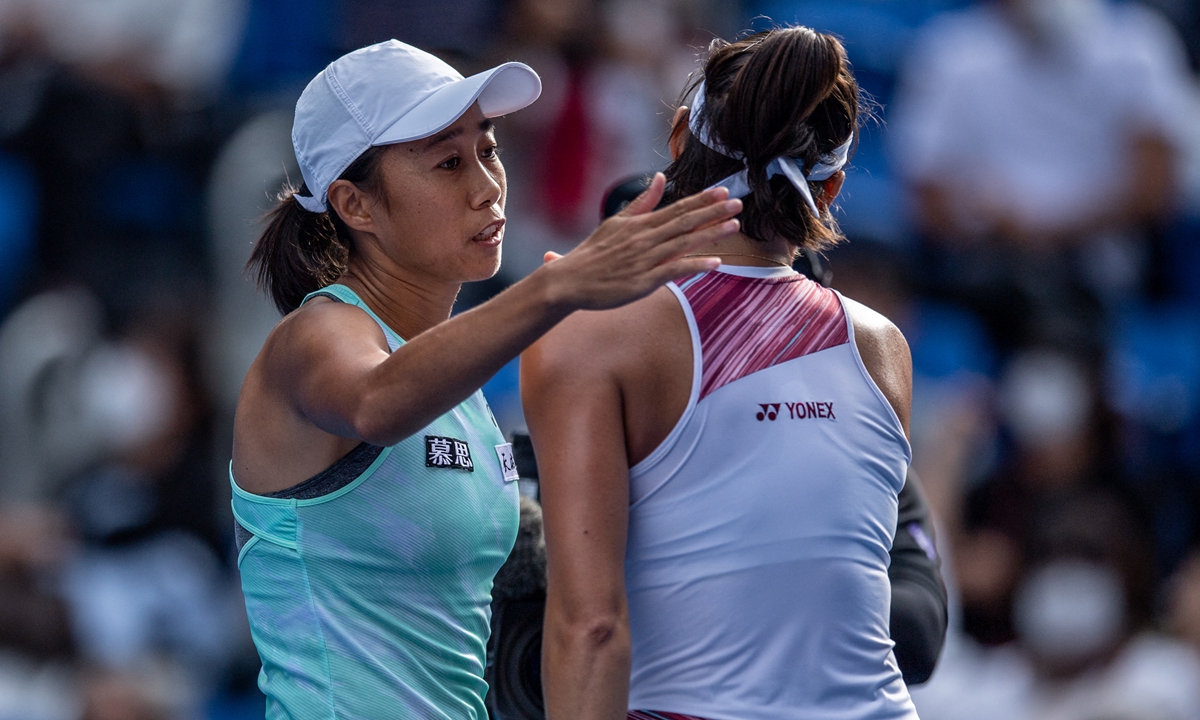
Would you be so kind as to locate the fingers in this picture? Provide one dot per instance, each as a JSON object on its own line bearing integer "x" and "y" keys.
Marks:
{"x": 678, "y": 208}
{"x": 649, "y": 198}
{"x": 687, "y": 242}
{"x": 697, "y": 219}
{"x": 550, "y": 257}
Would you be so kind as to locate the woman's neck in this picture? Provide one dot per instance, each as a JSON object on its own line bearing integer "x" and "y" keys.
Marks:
{"x": 741, "y": 250}
{"x": 407, "y": 303}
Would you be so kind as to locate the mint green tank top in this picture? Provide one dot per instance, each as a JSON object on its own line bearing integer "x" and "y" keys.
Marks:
{"x": 373, "y": 601}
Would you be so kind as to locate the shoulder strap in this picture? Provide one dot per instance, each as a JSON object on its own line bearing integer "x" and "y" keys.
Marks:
{"x": 343, "y": 294}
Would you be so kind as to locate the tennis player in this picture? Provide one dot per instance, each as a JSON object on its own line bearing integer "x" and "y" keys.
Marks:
{"x": 372, "y": 489}
{"x": 720, "y": 461}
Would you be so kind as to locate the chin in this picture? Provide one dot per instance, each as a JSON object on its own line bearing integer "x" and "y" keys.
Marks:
{"x": 483, "y": 270}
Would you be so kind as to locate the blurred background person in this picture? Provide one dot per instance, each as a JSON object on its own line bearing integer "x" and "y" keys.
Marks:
{"x": 1041, "y": 140}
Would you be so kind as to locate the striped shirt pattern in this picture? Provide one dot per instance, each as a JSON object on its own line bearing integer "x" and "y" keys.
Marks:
{"x": 747, "y": 324}
{"x": 651, "y": 715}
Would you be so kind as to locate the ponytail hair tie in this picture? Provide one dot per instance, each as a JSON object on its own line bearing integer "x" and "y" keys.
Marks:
{"x": 790, "y": 167}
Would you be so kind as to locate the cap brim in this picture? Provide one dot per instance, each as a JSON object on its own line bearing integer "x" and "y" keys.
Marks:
{"x": 503, "y": 89}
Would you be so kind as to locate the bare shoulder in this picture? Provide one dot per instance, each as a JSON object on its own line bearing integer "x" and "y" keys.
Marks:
{"x": 885, "y": 354}
{"x": 601, "y": 342}
{"x": 309, "y": 352}
{"x": 322, "y": 327}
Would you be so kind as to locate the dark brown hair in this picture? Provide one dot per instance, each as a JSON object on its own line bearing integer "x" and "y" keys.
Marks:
{"x": 787, "y": 91}
{"x": 302, "y": 251}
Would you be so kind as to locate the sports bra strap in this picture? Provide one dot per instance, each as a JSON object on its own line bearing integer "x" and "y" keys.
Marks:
{"x": 343, "y": 294}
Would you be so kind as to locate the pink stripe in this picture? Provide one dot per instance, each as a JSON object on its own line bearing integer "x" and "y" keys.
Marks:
{"x": 751, "y": 324}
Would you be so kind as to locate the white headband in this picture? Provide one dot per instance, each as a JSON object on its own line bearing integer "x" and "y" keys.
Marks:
{"x": 791, "y": 168}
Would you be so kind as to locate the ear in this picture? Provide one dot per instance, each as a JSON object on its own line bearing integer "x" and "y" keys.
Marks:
{"x": 679, "y": 130}
{"x": 351, "y": 204}
{"x": 830, "y": 189}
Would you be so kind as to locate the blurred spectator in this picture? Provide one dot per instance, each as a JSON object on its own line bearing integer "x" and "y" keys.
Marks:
{"x": 1049, "y": 408}
{"x": 249, "y": 171}
{"x": 106, "y": 441}
{"x": 116, "y": 180}
{"x": 1084, "y": 647}
{"x": 1041, "y": 137}
{"x": 610, "y": 72}
{"x": 185, "y": 46}
{"x": 1183, "y": 602}
{"x": 461, "y": 29}
{"x": 285, "y": 43}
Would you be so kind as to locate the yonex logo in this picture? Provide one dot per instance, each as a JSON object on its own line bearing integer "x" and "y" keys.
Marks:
{"x": 796, "y": 411}
{"x": 769, "y": 411}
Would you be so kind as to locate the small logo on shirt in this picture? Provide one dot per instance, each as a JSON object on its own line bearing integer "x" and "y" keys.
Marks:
{"x": 508, "y": 463}
{"x": 769, "y": 411}
{"x": 444, "y": 452}
{"x": 796, "y": 411}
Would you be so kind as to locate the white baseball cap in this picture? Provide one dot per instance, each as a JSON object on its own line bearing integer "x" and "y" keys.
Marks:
{"x": 388, "y": 93}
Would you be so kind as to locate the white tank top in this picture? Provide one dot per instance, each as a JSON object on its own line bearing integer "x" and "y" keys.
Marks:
{"x": 759, "y": 530}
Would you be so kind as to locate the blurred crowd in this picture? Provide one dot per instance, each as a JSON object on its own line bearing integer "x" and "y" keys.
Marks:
{"x": 1025, "y": 205}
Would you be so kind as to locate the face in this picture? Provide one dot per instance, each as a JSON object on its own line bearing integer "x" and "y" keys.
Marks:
{"x": 442, "y": 214}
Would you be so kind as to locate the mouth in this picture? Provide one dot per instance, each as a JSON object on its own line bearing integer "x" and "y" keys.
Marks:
{"x": 491, "y": 234}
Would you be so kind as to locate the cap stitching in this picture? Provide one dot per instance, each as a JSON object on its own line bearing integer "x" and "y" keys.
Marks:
{"x": 345, "y": 98}
{"x": 302, "y": 160}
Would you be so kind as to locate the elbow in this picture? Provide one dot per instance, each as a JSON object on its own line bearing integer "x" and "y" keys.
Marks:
{"x": 599, "y": 633}
{"x": 371, "y": 425}
{"x": 918, "y": 623}
{"x": 593, "y": 633}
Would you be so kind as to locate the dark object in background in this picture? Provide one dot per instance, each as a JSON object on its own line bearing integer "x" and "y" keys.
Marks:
{"x": 523, "y": 454}
{"x": 514, "y": 667}
{"x": 919, "y": 604}
{"x": 623, "y": 193}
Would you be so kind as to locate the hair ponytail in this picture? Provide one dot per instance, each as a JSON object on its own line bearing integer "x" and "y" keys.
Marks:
{"x": 300, "y": 251}
{"x": 297, "y": 253}
{"x": 783, "y": 92}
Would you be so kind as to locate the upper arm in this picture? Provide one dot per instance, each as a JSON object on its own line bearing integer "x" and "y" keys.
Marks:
{"x": 322, "y": 361}
{"x": 573, "y": 406}
{"x": 885, "y": 354}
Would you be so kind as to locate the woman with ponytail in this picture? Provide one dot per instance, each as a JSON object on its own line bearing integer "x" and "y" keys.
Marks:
{"x": 720, "y": 461}
{"x": 372, "y": 489}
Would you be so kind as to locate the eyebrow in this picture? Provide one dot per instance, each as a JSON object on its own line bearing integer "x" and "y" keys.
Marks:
{"x": 452, "y": 133}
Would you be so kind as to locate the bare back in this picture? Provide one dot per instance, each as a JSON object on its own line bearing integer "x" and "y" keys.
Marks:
{"x": 643, "y": 351}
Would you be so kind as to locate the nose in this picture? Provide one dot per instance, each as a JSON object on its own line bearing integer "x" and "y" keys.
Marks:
{"x": 488, "y": 186}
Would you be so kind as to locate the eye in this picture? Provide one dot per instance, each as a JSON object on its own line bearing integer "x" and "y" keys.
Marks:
{"x": 450, "y": 163}
{"x": 491, "y": 152}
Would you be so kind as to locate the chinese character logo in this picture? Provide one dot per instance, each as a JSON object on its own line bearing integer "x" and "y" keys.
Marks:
{"x": 443, "y": 452}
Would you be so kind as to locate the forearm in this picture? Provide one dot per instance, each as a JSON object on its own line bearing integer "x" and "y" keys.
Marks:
{"x": 919, "y": 603}
{"x": 585, "y": 668}
{"x": 441, "y": 367}
{"x": 918, "y": 623}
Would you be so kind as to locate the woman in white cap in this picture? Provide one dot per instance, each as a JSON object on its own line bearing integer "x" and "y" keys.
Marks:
{"x": 720, "y": 461}
{"x": 372, "y": 489}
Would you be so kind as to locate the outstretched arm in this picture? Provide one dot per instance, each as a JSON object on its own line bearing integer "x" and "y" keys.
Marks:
{"x": 574, "y": 409}
{"x": 348, "y": 385}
